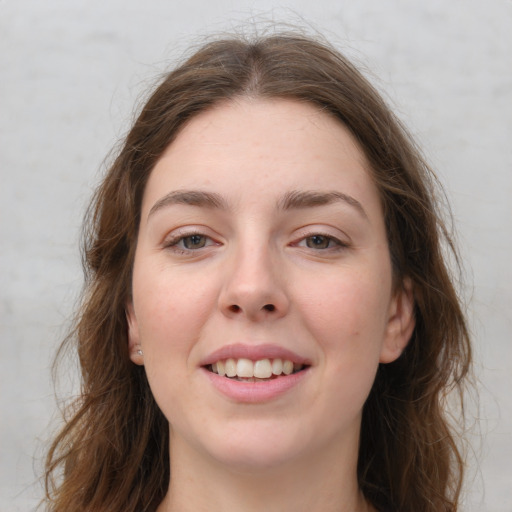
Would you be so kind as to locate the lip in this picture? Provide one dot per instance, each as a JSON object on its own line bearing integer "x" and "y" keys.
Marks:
{"x": 259, "y": 391}
{"x": 255, "y": 392}
{"x": 254, "y": 353}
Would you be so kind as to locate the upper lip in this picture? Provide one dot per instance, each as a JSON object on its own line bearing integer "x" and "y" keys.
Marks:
{"x": 253, "y": 352}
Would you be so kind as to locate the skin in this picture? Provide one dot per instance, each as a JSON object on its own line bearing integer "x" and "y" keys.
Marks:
{"x": 314, "y": 279}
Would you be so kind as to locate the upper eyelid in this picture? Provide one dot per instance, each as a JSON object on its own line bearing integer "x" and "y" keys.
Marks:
{"x": 184, "y": 231}
{"x": 313, "y": 230}
{"x": 297, "y": 234}
{"x": 173, "y": 239}
{"x": 336, "y": 240}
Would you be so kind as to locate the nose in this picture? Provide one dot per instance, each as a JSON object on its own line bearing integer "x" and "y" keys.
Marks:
{"x": 254, "y": 286}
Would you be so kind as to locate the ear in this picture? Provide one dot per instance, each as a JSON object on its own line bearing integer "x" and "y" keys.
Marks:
{"x": 134, "y": 346}
{"x": 401, "y": 323}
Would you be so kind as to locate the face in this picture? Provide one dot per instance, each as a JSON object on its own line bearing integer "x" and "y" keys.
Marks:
{"x": 262, "y": 254}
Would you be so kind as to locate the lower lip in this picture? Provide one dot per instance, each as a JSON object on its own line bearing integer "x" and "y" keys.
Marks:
{"x": 255, "y": 392}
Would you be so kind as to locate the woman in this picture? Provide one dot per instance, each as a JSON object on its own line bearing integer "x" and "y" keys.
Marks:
{"x": 268, "y": 321}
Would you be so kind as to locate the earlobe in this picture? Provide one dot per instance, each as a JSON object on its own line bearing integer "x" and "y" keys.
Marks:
{"x": 401, "y": 323}
{"x": 134, "y": 346}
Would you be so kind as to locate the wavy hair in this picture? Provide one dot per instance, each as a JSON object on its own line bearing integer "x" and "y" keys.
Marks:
{"x": 112, "y": 452}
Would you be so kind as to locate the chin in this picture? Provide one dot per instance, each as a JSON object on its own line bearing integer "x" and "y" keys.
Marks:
{"x": 254, "y": 461}
{"x": 250, "y": 448}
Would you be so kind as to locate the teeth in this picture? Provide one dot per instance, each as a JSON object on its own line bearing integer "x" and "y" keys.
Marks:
{"x": 262, "y": 369}
{"x": 245, "y": 368}
{"x": 250, "y": 371}
{"x": 277, "y": 366}
{"x": 287, "y": 367}
{"x": 230, "y": 366}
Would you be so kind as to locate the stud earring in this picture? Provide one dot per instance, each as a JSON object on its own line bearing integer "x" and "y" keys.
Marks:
{"x": 139, "y": 352}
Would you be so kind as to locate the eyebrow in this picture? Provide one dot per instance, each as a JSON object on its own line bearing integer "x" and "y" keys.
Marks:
{"x": 296, "y": 199}
{"x": 191, "y": 198}
{"x": 306, "y": 199}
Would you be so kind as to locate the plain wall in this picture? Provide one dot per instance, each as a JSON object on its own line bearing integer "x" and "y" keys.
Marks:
{"x": 71, "y": 73}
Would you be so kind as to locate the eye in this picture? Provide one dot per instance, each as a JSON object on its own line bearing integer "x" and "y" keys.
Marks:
{"x": 189, "y": 242}
{"x": 194, "y": 241}
{"x": 319, "y": 241}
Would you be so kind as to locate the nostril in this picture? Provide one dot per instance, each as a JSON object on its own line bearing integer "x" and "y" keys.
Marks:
{"x": 235, "y": 308}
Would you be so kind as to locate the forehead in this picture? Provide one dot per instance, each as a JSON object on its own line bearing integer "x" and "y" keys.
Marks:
{"x": 254, "y": 148}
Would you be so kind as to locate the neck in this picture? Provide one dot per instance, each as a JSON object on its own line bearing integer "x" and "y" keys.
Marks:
{"x": 325, "y": 482}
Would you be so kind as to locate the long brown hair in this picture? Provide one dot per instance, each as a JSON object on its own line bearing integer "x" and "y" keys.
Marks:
{"x": 112, "y": 453}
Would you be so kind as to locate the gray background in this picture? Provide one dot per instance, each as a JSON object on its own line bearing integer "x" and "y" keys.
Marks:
{"x": 71, "y": 72}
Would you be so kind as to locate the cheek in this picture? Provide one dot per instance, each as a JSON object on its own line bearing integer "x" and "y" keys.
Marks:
{"x": 347, "y": 315}
{"x": 170, "y": 312}
{"x": 348, "y": 320}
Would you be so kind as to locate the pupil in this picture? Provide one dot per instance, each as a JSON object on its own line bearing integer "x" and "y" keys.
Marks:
{"x": 318, "y": 242}
{"x": 194, "y": 241}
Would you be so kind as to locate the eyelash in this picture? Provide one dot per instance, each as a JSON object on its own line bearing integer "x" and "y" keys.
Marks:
{"x": 338, "y": 244}
{"x": 334, "y": 244}
{"x": 173, "y": 242}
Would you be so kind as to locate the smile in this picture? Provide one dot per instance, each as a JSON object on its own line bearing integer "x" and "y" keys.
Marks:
{"x": 252, "y": 371}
